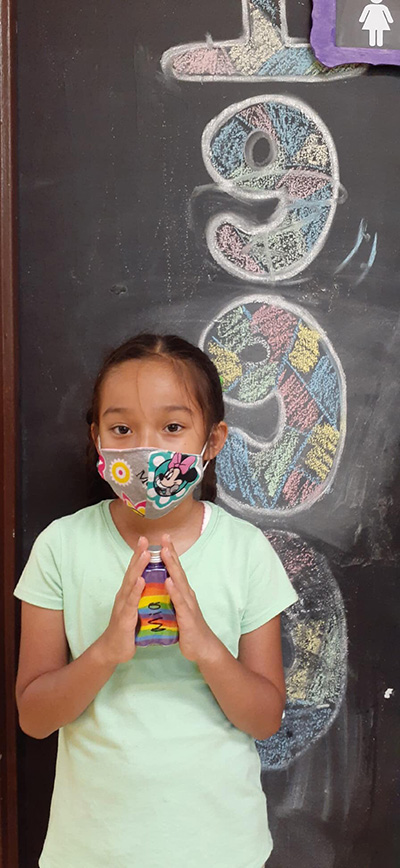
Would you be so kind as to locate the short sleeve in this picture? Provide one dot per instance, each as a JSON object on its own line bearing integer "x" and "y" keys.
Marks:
{"x": 269, "y": 589}
{"x": 40, "y": 582}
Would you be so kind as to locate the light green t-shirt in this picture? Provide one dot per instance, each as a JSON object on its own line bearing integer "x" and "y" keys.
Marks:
{"x": 153, "y": 774}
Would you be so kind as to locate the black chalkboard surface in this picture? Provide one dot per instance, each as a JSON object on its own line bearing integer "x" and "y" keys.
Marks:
{"x": 149, "y": 175}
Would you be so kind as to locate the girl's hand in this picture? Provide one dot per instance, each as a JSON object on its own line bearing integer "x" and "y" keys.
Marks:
{"x": 196, "y": 640}
{"x": 118, "y": 640}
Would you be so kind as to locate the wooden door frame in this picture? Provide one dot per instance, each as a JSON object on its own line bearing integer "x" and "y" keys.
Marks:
{"x": 8, "y": 440}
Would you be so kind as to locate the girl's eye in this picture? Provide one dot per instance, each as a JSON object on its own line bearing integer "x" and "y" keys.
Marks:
{"x": 122, "y": 429}
{"x": 173, "y": 427}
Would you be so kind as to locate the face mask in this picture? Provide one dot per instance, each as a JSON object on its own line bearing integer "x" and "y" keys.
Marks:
{"x": 150, "y": 481}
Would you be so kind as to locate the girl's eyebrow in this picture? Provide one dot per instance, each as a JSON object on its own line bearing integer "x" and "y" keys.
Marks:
{"x": 115, "y": 410}
{"x": 170, "y": 408}
{"x": 173, "y": 408}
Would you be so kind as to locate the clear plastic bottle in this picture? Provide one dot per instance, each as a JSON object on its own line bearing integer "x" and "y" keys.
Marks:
{"x": 156, "y": 615}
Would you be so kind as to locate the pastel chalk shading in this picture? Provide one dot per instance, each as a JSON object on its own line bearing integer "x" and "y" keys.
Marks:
{"x": 274, "y": 352}
{"x": 264, "y": 50}
{"x": 233, "y": 246}
{"x": 300, "y": 171}
{"x": 315, "y": 630}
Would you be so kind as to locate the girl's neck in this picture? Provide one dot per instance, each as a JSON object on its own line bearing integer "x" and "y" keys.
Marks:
{"x": 183, "y": 524}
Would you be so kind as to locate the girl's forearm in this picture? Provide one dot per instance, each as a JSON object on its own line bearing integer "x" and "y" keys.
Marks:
{"x": 250, "y": 701}
{"x": 56, "y": 698}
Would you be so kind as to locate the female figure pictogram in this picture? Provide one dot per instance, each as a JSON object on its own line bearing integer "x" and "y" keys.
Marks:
{"x": 376, "y": 19}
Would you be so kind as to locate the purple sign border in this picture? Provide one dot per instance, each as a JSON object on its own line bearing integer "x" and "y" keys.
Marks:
{"x": 323, "y": 41}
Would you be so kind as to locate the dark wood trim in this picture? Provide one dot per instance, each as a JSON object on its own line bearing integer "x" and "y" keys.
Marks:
{"x": 8, "y": 444}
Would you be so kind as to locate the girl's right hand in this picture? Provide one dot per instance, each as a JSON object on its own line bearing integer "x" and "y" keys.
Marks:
{"x": 118, "y": 640}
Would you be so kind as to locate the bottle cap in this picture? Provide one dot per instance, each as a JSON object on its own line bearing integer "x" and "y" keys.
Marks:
{"x": 155, "y": 554}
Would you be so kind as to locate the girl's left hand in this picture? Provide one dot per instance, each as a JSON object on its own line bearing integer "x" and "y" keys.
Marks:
{"x": 196, "y": 640}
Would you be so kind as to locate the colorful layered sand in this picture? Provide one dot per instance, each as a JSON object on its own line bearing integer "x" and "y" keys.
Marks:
{"x": 157, "y": 619}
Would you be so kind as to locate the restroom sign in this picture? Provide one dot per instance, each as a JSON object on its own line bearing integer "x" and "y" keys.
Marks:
{"x": 356, "y": 31}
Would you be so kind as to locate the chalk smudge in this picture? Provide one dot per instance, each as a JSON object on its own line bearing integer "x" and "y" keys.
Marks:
{"x": 362, "y": 235}
{"x": 299, "y": 170}
{"x": 265, "y": 50}
{"x": 371, "y": 259}
{"x": 315, "y": 645}
{"x": 266, "y": 349}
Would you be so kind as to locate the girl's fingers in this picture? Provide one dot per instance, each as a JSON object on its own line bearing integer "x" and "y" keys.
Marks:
{"x": 173, "y": 591}
{"x": 135, "y": 569}
{"x": 175, "y": 571}
{"x": 172, "y": 562}
{"x": 167, "y": 543}
{"x": 142, "y": 546}
{"x": 138, "y": 562}
{"x": 176, "y": 595}
{"x": 136, "y": 593}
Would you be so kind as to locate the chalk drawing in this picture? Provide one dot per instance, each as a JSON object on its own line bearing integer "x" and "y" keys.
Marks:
{"x": 365, "y": 268}
{"x": 266, "y": 350}
{"x": 299, "y": 170}
{"x": 314, "y": 641}
{"x": 362, "y": 235}
{"x": 265, "y": 50}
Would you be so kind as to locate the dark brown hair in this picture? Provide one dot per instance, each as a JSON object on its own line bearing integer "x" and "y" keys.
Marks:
{"x": 204, "y": 380}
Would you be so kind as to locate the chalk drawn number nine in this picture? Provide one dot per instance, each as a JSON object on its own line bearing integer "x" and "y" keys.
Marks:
{"x": 271, "y": 147}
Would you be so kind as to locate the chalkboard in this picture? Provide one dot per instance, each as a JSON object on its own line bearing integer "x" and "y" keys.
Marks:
{"x": 240, "y": 194}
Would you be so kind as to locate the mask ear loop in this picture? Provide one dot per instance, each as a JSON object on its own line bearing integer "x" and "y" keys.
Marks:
{"x": 203, "y": 451}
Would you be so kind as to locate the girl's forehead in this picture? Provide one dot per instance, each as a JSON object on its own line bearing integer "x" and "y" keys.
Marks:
{"x": 162, "y": 381}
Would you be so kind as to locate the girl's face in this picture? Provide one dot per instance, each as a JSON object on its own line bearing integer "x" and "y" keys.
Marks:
{"x": 144, "y": 402}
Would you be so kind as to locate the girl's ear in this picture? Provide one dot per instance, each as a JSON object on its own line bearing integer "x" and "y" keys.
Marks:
{"x": 94, "y": 433}
{"x": 216, "y": 440}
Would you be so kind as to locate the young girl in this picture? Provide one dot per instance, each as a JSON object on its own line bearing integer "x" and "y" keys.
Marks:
{"x": 156, "y": 765}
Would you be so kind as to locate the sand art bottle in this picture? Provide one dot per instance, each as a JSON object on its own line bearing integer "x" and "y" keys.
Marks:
{"x": 157, "y": 620}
